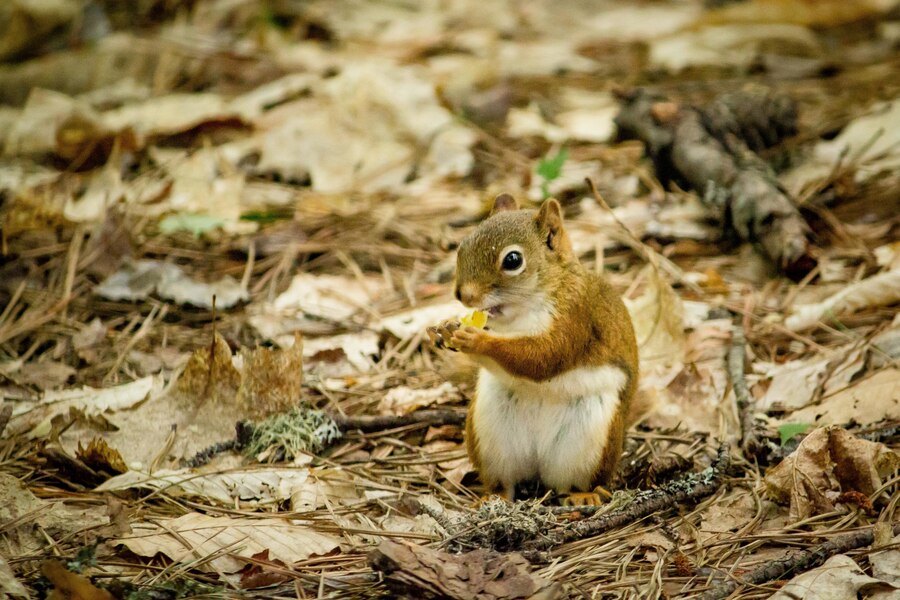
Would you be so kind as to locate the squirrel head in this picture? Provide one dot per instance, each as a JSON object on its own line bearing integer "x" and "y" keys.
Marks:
{"x": 511, "y": 263}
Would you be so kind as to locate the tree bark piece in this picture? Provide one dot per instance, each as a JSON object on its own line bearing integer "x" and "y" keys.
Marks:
{"x": 796, "y": 562}
{"x": 713, "y": 150}
{"x": 412, "y": 571}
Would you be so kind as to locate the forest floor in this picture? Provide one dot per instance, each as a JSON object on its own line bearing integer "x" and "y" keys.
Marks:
{"x": 231, "y": 222}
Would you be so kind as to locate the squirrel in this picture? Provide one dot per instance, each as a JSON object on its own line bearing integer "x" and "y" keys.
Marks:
{"x": 558, "y": 364}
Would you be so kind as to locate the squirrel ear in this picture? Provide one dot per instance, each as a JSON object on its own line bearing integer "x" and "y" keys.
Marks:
{"x": 550, "y": 222}
{"x": 504, "y": 202}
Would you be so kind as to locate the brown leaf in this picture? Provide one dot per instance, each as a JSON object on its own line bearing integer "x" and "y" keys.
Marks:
{"x": 99, "y": 456}
{"x": 71, "y": 586}
{"x": 208, "y": 371}
{"x": 271, "y": 380}
{"x": 828, "y": 461}
{"x": 416, "y": 571}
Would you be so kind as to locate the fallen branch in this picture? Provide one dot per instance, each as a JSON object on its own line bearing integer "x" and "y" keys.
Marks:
{"x": 690, "y": 488}
{"x": 796, "y": 562}
{"x": 372, "y": 423}
{"x": 246, "y": 430}
{"x": 750, "y": 442}
{"x": 712, "y": 149}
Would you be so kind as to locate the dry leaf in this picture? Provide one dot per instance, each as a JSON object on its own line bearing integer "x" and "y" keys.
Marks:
{"x": 879, "y": 290}
{"x": 139, "y": 279}
{"x": 869, "y": 400}
{"x": 92, "y": 402}
{"x": 9, "y": 585}
{"x": 271, "y": 379}
{"x": 100, "y": 457}
{"x": 827, "y": 462}
{"x": 413, "y": 571}
{"x": 658, "y": 323}
{"x": 219, "y": 543}
{"x": 252, "y": 487}
{"x": 209, "y": 371}
{"x": 402, "y": 400}
{"x": 840, "y": 578}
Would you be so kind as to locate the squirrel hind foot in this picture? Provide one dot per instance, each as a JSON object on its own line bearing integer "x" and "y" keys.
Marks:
{"x": 598, "y": 497}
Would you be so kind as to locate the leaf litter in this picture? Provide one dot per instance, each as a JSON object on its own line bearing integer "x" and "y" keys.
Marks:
{"x": 312, "y": 168}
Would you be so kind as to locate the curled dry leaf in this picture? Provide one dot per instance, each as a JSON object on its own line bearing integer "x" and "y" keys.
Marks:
{"x": 827, "y": 462}
{"x": 220, "y": 543}
{"x": 879, "y": 290}
{"x": 840, "y": 578}
{"x": 403, "y": 400}
{"x": 99, "y": 456}
{"x": 252, "y": 487}
{"x": 36, "y": 416}
{"x": 137, "y": 280}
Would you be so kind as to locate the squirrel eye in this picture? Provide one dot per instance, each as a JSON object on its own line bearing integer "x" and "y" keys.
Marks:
{"x": 513, "y": 261}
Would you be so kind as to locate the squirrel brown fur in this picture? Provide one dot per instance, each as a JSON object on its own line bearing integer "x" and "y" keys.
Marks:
{"x": 559, "y": 360}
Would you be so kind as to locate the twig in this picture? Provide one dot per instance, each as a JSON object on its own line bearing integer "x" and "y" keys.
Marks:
{"x": 371, "y": 423}
{"x": 750, "y": 442}
{"x": 5, "y": 414}
{"x": 796, "y": 562}
{"x": 363, "y": 423}
{"x": 690, "y": 488}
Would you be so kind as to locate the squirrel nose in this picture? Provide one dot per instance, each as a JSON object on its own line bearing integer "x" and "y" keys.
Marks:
{"x": 466, "y": 293}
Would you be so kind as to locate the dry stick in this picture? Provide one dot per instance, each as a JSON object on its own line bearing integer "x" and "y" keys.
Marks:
{"x": 690, "y": 488}
{"x": 750, "y": 442}
{"x": 371, "y": 423}
{"x": 796, "y": 562}
{"x": 5, "y": 415}
{"x": 363, "y": 423}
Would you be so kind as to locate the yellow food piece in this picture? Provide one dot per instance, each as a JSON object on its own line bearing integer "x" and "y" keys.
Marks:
{"x": 476, "y": 319}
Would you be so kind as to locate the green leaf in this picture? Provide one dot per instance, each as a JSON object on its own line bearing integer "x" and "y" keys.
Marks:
{"x": 789, "y": 430}
{"x": 551, "y": 168}
{"x": 267, "y": 216}
{"x": 196, "y": 224}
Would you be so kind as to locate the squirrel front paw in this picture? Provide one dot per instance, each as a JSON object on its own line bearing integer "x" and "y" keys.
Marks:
{"x": 467, "y": 339}
{"x": 441, "y": 335}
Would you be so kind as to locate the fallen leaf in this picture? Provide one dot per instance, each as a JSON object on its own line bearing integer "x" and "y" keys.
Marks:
{"x": 827, "y": 462}
{"x": 139, "y": 279}
{"x": 879, "y": 290}
{"x": 9, "y": 585}
{"x": 840, "y": 578}
{"x": 249, "y": 487}
{"x": 657, "y": 315}
{"x": 209, "y": 370}
{"x": 219, "y": 543}
{"x": 413, "y": 571}
{"x": 733, "y": 45}
{"x": 868, "y": 400}
{"x": 402, "y": 400}
{"x": 99, "y": 456}
{"x": 271, "y": 379}
{"x": 407, "y": 324}
{"x": 36, "y": 416}
{"x": 341, "y": 355}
